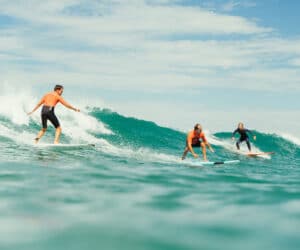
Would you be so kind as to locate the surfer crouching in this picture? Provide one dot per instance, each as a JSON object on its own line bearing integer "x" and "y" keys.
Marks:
{"x": 196, "y": 139}
{"x": 49, "y": 102}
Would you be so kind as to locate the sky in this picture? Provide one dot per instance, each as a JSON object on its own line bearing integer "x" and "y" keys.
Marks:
{"x": 172, "y": 62}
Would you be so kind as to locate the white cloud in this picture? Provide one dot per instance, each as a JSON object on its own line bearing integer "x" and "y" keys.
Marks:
{"x": 232, "y": 4}
{"x": 137, "y": 17}
{"x": 130, "y": 45}
{"x": 165, "y": 64}
{"x": 295, "y": 62}
{"x": 229, "y": 6}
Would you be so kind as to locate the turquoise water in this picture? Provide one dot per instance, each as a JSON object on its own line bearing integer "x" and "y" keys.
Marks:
{"x": 132, "y": 192}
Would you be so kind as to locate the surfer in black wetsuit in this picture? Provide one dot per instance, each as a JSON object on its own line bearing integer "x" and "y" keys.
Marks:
{"x": 243, "y": 136}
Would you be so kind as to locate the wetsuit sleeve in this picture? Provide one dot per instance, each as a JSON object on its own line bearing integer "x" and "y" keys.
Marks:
{"x": 234, "y": 132}
{"x": 248, "y": 131}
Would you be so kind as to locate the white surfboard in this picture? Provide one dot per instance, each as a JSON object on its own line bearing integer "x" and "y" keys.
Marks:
{"x": 64, "y": 146}
{"x": 254, "y": 154}
{"x": 211, "y": 163}
{"x": 258, "y": 154}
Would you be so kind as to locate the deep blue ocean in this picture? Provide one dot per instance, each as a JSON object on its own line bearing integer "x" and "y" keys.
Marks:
{"x": 132, "y": 191}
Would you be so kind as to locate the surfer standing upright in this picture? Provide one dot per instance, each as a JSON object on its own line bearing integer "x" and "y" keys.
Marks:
{"x": 243, "y": 136}
{"x": 49, "y": 102}
{"x": 196, "y": 138}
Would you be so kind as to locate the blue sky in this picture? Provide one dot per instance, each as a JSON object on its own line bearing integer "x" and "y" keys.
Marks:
{"x": 173, "y": 62}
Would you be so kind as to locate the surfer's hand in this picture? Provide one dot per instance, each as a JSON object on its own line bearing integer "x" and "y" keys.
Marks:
{"x": 212, "y": 150}
{"x": 195, "y": 155}
{"x": 29, "y": 113}
{"x": 254, "y": 137}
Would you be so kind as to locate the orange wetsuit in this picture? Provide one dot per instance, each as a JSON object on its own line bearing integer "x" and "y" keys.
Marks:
{"x": 195, "y": 139}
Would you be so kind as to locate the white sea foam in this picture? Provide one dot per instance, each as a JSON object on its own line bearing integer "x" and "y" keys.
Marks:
{"x": 229, "y": 145}
{"x": 78, "y": 127}
{"x": 15, "y": 103}
{"x": 20, "y": 137}
{"x": 290, "y": 138}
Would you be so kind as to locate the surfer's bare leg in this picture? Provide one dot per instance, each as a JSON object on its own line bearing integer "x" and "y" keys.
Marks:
{"x": 57, "y": 135}
{"x": 40, "y": 134}
{"x": 203, "y": 146}
{"x": 186, "y": 150}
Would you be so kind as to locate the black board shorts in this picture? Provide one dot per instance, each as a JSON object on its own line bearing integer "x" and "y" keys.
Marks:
{"x": 48, "y": 114}
{"x": 197, "y": 145}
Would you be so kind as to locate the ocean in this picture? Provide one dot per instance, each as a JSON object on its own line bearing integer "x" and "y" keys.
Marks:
{"x": 132, "y": 191}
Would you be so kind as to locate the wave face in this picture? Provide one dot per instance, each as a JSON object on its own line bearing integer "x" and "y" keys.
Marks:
{"x": 132, "y": 191}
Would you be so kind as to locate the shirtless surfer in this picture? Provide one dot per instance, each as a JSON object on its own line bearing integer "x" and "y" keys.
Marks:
{"x": 49, "y": 102}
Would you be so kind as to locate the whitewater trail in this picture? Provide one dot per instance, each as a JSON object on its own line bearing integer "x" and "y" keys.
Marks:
{"x": 290, "y": 138}
{"x": 86, "y": 127}
{"x": 77, "y": 127}
{"x": 229, "y": 145}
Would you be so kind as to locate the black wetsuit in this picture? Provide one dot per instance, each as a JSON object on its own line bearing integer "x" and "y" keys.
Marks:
{"x": 243, "y": 137}
{"x": 48, "y": 114}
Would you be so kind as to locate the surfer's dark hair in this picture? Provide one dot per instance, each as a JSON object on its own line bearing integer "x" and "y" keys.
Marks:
{"x": 196, "y": 126}
{"x": 58, "y": 87}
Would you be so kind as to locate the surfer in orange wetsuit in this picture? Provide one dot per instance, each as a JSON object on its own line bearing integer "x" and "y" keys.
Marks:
{"x": 196, "y": 138}
{"x": 49, "y": 102}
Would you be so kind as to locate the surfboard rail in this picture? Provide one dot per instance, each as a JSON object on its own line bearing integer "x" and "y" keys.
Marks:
{"x": 259, "y": 154}
{"x": 211, "y": 163}
{"x": 64, "y": 145}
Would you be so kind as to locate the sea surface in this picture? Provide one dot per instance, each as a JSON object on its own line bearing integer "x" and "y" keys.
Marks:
{"x": 132, "y": 191}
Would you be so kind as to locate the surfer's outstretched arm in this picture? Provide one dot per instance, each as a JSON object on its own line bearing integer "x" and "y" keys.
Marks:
{"x": 250, "y": 132}
{"x": 67, "y": 105}
{"x": 37, "y": 106}
{"x": 233, "y": 133}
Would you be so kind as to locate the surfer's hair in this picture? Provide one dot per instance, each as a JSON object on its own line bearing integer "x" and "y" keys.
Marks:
{"x": 197, "y": 126}
{"x": 58, "y": 87}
